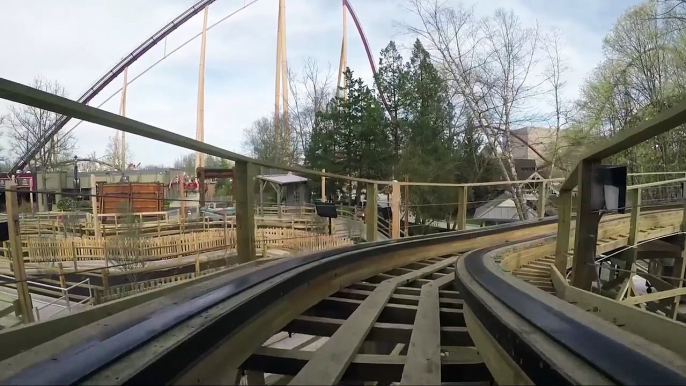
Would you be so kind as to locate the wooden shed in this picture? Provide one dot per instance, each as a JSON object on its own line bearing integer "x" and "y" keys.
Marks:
{"x": 135, "y": 197}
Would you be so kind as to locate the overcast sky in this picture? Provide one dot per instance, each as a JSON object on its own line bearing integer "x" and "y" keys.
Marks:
{"x": 75, "y": 42}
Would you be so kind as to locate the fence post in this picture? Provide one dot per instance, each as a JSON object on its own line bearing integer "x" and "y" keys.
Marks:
{"x": 395, "y": 210}
{"x": 25, "y": 303}
{"x": 73, "y": 256}
{"x": 634, "y": 196}
{"x": 244, "y": 194}
{"x": 586, "y": 231}
{"x": 63, "y": 284}
{"x": 197, "y": 265}
{"x": 323, "y": 186}
{"x": 462, "y": 194}
{"x": 105, "y": 279}
{"x": 94, "y": 204}
{"x": 542, "y": 196}
{"x": 371, "y": 212}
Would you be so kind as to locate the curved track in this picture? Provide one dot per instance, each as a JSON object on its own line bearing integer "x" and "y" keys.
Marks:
{"x": 410, "y": 311}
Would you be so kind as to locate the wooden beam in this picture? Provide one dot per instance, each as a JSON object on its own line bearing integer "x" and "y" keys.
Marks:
{"x": 12, "y": 207}
{"x": 583, "y": 266}
{"x": 395, "y": 211}
{"x": 380, "y": 332}
{"x": 323, "y": 186}
{"x": 244, "y": 194}
{"x": 336, "y": 354}
{"x": 632, "y": 136}
{"x": 95, "y": 206}
{"x": 29, "y": 96}
{"x": 564, "y": 225}
{"x": 371, "y": 212}
{"x": 423, "y": 363}
{"x": 648, "y": 325}
{"x": 654, "y": 296}
{"x": 200, "y": 174}
{"x": 462, "y": 194}
{"x": 680, "y": 264}
{"x": 542, "y": 196}
{"x": 364, "y": 367}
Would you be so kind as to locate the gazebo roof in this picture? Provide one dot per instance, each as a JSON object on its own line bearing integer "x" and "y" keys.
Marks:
{"x": 283, "y": 179}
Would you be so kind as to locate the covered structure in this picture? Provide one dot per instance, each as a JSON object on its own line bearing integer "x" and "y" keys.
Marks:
{"x": 290, "y": 189}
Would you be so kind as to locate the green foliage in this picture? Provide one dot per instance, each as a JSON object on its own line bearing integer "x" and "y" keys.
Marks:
{"x": 66, "y": 204}
{"x": 424, "y": 138}
{"x": 643, "y": 74}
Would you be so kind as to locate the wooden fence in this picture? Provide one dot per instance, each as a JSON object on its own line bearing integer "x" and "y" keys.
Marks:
{"x": 121, "y": 249}
{"x": 128, "y": 289}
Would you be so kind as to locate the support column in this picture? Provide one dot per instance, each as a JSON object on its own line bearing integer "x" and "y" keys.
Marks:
{"x": 564, "y": 225}
{"x": 122, "y": 112}
{"x": 371, "y": 212}
{"x": 277, "y": 91}
{"x": 244, "y": 193}
{"x": 634, "y": 196}
{"x": 407, "y": 207}
{"x": 462, "y": 194}
{"x": 323, "y": 186}
{"x": 95, "y": 207}
{"x": 583, "y": 266}
{"x": 680, "y": 266}
{"x": 200, "y": 174}
{"x": 182, "y": 203}
{"x": 200, "y": 119}
{"x": 25, "y": 303}
{"x": 344, "y": 56}
{"x": 395, "y": 210}
{"x": 542, "y": 196}
{"x": 285, "y": 132}
{"x": 58, "y": 189}
{"x": 42, "y": 197}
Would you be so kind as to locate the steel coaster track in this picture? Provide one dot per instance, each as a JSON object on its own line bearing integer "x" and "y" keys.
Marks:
{"x": 603, "y": 352}
{"x": 111, "y": 75}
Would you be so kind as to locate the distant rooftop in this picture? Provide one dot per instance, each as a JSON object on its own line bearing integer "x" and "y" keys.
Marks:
{"x": 283, "y": 179}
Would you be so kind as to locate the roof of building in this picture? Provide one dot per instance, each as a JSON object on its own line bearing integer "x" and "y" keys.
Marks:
{"x": 283, "y": 179}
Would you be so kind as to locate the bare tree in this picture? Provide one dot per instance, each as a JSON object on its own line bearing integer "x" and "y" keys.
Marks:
{"x": 262, "y": 143}
{"x": 553, "y": 45}
{"x": 28, "y": 125}
{"x": 311, "y": 90}
{"x": 490, "y": 66}
{"x": 113, "y": 153}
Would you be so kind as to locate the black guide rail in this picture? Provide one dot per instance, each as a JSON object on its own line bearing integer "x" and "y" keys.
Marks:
{"x": 606, "y": 353}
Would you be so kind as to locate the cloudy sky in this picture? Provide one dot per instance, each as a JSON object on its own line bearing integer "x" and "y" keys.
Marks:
{"x": 75, "y": 42}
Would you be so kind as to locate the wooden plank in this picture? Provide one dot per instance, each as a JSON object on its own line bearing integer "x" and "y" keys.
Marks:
{"x": 654, "y": 296}
{"x": 423, "y": 363}
{"x": 336, "y": 354}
